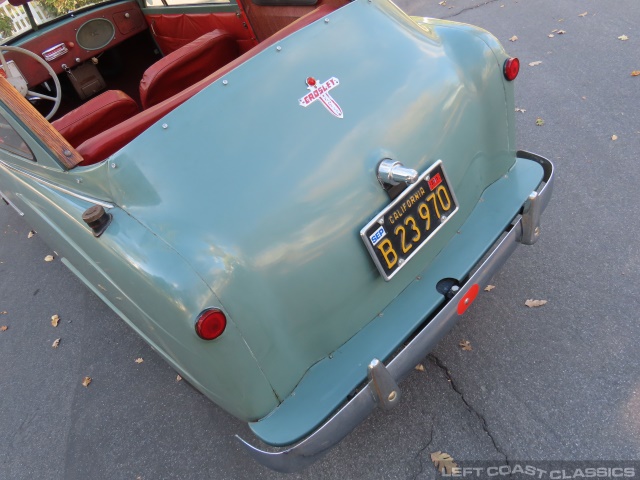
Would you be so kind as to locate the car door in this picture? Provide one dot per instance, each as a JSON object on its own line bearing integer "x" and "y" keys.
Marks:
{"x": 175, "y": 23}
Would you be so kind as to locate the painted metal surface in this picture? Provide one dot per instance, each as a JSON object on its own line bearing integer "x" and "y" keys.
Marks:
{"x": 245, "y": 211}
{"x": 283, "y": 252}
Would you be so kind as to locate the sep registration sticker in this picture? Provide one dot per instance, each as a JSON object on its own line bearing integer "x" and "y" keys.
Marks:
{"x": 377, "y": 236}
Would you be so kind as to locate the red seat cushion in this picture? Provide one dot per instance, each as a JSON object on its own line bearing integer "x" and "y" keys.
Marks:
{"x": 187, "y": 65}
{"x": 95, "y": 116}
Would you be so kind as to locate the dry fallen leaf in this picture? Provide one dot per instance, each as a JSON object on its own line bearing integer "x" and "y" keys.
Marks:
{"x": 535, "y": 64}
{"x": 178, "y": 378}
{"x": 488, "y": 288}
{"x": 521, "y": 110}
{"x": 561, "y": 32}
{"x": 583, "y": 14}
{"x": 54, "y": 320}
{"x": 31, "y": 233}
{"x": 55, "y": 343}
{"x": 3, "y": 328}
{"x": 551, "y": 35}
{"x": 139, "y": 360}
{"x": 466, "y": 345}
{"x": 443, "y": 461}
{"x": 539, "y": 122}
{"x": 48, "y": 258}
{"x": 535, "y": 303}
{"x": 444, "y": 3}
{"x": 635, "y": 73}
{"x": 623, "y": 37}
{"x": 86, "y": 381}
{"x": 4, "y": 312}
{"x": 419, "y": 367}
{"x": 513, "y": 39}
{"x": 614, "y": 137}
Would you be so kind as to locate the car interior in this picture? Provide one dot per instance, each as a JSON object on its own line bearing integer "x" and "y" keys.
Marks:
{"x": 121, "y": 67}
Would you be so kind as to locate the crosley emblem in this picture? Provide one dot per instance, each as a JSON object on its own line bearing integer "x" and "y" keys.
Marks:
{"x": 320, "y": 91}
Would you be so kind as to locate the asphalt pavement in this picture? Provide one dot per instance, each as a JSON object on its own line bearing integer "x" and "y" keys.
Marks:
{"x": 558, "y": 382}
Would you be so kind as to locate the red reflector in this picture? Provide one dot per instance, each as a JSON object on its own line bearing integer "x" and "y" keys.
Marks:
{"x": 511, "y": 68}
{"x": 210, "y": 324}
{"x": 468, "y": 298}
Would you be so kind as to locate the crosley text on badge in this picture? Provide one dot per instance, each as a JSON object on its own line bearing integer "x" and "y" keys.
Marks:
{"x": 320, "y": 91}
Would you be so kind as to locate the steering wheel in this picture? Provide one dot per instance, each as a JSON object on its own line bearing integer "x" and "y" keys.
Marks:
{"x": 20, "y": 83}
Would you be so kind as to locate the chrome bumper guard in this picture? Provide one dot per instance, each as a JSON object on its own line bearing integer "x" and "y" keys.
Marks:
{"x": 381, "y": 389}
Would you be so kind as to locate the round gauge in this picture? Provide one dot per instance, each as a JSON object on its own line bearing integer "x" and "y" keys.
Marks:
{"x": 95, "y": 34}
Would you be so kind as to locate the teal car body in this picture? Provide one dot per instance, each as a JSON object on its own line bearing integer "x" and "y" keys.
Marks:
{"x": 245, "y": 199}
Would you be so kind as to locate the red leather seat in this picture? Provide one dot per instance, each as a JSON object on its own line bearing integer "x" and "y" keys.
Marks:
{"x": 95, "y": 116}
{"x": 187, "y": 65}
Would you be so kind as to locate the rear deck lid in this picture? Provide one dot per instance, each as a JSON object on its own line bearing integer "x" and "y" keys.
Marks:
{"x": 264, "y": 190}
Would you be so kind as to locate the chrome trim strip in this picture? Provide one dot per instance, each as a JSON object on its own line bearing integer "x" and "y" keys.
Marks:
{"x": 50, "y": 54}
{"x": 11, "y": 204}
{"x": 55, "y": 186}
{"x": 338, "y": 426}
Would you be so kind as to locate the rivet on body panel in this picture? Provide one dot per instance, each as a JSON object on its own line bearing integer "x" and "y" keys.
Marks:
{"x": 326, "y": 20}
{"x": 78, "y": 180}
{"x": 225, "y": 82}
{"x": 278, "y": 48}
{"x": 113, "y": 165}
{"x": 165, "y": 126}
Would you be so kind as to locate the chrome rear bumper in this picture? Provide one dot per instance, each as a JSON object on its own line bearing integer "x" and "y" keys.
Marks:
{"x": 381, "y": 389}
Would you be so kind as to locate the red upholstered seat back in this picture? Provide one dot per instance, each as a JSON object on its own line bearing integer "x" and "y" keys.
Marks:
{"x": 95, "y": 116}
{"x": 186, "y": 66}
{"x": 110, "y": 141}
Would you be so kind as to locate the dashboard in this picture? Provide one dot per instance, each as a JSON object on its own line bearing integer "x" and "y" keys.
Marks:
{"x": 78, "y": 38}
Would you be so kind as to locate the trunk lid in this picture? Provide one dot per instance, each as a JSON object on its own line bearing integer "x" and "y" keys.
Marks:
{"x": 266, "y": 198}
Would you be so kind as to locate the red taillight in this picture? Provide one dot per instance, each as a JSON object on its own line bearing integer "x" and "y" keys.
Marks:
{"x": 211, "y": 323}
{"x": 511, "y": 68}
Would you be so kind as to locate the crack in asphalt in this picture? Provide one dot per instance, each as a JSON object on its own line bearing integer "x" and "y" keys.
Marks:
{"x": 438, "y": 363}
{"x": 469, "y": 8}
{"x": 421, "y": 451}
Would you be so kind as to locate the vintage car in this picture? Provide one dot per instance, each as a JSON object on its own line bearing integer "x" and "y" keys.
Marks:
{"x": 291, "y": 201}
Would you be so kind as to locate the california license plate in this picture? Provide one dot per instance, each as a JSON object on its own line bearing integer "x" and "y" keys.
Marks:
{"x": 399, "y": 231}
